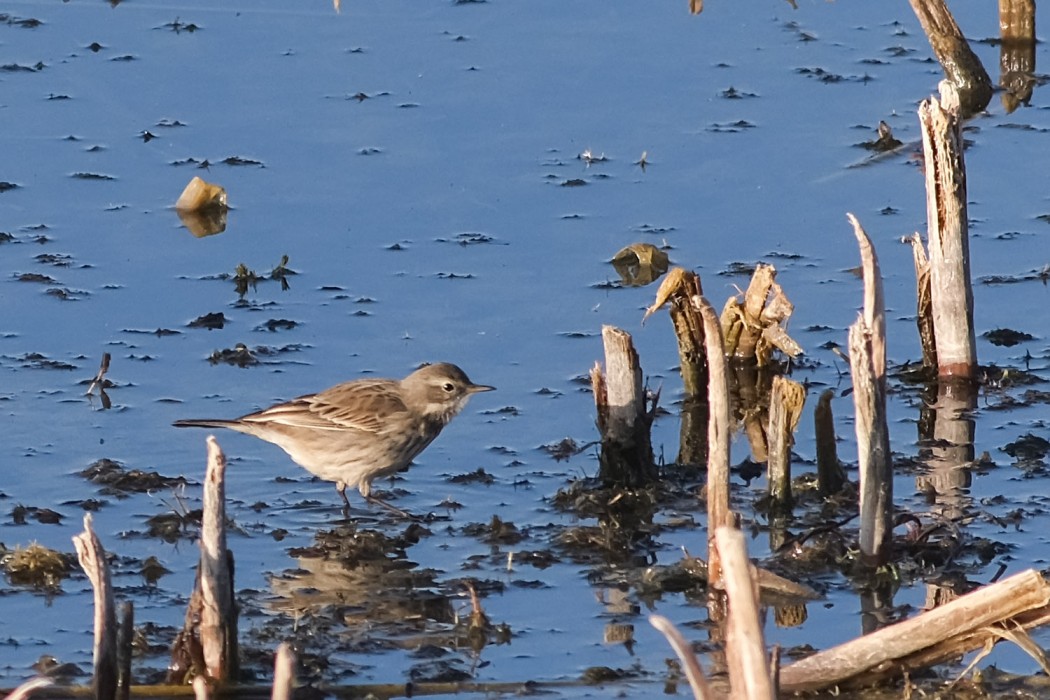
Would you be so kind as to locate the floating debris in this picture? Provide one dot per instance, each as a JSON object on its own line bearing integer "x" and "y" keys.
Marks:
{"x": 36, "y": 566}
{"x": 202, "y": 207}
{"x": 640, "y": 264}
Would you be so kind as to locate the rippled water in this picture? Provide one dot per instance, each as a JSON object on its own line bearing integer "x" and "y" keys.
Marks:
{"x": 412, "y": 162}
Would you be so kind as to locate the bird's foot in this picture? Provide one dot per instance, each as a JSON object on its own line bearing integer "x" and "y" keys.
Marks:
{"x": 394, "y": 509}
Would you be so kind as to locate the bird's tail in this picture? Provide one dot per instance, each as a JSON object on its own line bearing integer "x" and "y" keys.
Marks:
{"x": 204, "y": 423}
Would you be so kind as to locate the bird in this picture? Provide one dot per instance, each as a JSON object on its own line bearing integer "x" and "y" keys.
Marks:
{"x": 360, "y": 430}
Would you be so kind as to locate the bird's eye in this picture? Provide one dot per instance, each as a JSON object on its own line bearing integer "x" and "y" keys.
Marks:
{"x": 449, "y": 387}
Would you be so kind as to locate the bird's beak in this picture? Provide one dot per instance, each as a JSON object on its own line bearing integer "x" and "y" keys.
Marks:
{"x": 478, "y": 388}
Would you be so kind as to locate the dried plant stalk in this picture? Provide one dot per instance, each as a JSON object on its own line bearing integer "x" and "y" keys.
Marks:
{"x": 921, "y": 640}
{"x": 948, "y": 236}
{"x": 753, "y": 327}
{"x": 873, "y": 454}
{"x": 830, "y": 475}
{"x": 785, "y": 409}
{"x": 749, "y": 674}
{"x": 718, "y": 513}
{"x": 624, "y": 415}
{"x": 284, "y": 673}
{"x": 685, "y": 654}
{"x": 218, "y": 626}
{"x": 867, "y": 352}
{"x": 207, "y": 644}
{"x": 960, "y": 64}
{"x": 93, "y": 560}
{"x": 923, "y": 303}
{"x": 125, "y": 642}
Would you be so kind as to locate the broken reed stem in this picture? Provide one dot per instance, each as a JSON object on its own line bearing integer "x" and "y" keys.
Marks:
{"x": 874, "y": 300}
{"x": 924, "y": 304}
{"x": 742, "y": 339}
{"x": 830, "y": 475}
{"x": 689, "y": 331}
{"x": 960, "y": 64}
{"x": 93, "y": 560}
{"x": 29, "y": 689}
{"x": 200, "y": 688}
{"x": 867, "y": 352}
{"x": 624, "y": 419}
{"x": 889, "y": 648}
{"x": 873, "y": 456}
{"x": 125, "y": 642}
{"x": 749, "y": 675}
{"x": 693, "y": 673}
{"x": 948, "y": 235}
{"x": 785, "y": 409}
{"x": 718, "y": 513}
{"x": 678, "y": 288}
{"x": 218, "y": 623}
{"x": 284, "y": 673}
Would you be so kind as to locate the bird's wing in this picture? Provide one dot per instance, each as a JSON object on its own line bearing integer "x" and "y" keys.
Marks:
{"x": 363, "y": 404}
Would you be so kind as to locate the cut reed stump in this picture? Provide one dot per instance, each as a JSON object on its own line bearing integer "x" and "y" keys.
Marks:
{"x": 754, "y": 326}
{"x": 625, "y": 414}
{"x": 785, "y": 409}
{"x": 978, "y": 619}
{"x": 830, "y": 475}
{"x": 960, "y": 64}
{"x": 93, "y": 560}
{"x": 951, "y": 294}
{"x": 207, "y": 644}
{"x": 867, "y": 353}
{"x": 678, "y": 288}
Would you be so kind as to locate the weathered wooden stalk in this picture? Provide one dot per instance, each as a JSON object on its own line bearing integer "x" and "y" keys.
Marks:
{"x": 625, "y": 413}
{"x": 951, "y": 295}
{"x": 867, "y": 352}
{"x": 93, "y": 560}
{"x": 874, "y": 465}
{"x": 677, "y": 288}
{"x": 283, "y": 673}
{"x": 960, "y": 64}
{"x": 125, "y": 642}
{"x": 785, "y": 409}
{"x": 924, "y": 304}
{"x": 718, "y": 513}
{"x": 207, "y": 644}
{"x": 689, "y": 331}
{"x": 749, "y": 674}
{"x": 693, "y": 673}
{"x": 219, "y": 615}
{"x": 948, "y": 631}
{"x": 830, "y": 475}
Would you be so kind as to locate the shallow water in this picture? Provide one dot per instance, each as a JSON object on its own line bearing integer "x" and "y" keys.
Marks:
{"x": 411, "y": 162}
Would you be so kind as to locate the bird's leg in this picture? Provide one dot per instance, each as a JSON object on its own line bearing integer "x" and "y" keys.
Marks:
{"x": 341, "y": 488}
{"x": 403, "y": 513}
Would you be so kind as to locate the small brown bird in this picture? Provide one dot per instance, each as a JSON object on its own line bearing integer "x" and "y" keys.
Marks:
{"x": 360, "y": 430}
